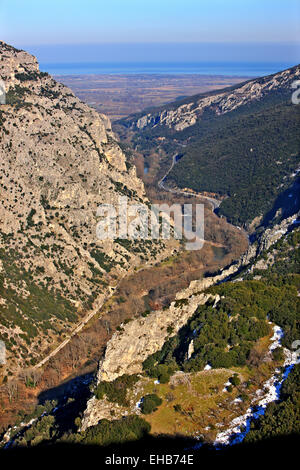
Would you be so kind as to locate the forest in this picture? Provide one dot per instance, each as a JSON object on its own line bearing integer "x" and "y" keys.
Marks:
{"x": 246, "y": 157}
{"x": 224, "y": 334}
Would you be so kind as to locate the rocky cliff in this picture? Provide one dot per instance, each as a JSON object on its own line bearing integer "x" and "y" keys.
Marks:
{"x": 58, "y": 161}
{"x": 180, "y": 116}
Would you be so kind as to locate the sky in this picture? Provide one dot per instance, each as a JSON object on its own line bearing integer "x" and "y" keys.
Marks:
{"x": 154, "y": 29}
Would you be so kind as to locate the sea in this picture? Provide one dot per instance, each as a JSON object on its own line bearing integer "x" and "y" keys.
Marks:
{"x": 243, "y": 69}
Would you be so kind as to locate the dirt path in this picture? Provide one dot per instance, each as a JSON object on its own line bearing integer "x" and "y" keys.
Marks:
{"x": 78, "y": 328}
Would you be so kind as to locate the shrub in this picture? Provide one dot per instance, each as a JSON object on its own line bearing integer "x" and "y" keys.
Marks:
{"x": 116, "y": 391}
{"x": 235, "y": 380}
{"x": 278, "y": 354}
{"x": 130, "y": 428}
{"x": 177, "y": 408}
{"x": 150, "y": 403}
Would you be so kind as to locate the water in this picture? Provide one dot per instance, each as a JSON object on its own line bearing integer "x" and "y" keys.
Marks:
{"x": 249, "y": 69}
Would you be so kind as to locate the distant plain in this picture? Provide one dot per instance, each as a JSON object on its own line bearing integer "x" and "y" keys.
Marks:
{"x": 118, "y": 95}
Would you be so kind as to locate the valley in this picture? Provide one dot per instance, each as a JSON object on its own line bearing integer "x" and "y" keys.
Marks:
{"x": 94, "y": 329}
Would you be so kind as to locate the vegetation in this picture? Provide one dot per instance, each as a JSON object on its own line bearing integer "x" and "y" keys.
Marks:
{"x": 28, "y": 305}
{"x": 281, "y": 418}
{"x": 150, "y": 403}
{"x": 155, "y": 367}
{"x": 103, "y": 260}
{"x": 116, "y": 391}
{"x": 45, "y": 431}
{"x": 245, "y": 156}
{"x": 225, "y": 333}
{"x": 16, "y": 97}
{"x": 242, "y": 146}
{"x": 106, "y": 432}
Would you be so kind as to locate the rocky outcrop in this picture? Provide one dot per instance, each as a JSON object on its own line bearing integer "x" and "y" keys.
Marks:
{"x": 185, "y": 115}
{"x": 268, "y": 238}
{"x": 149, "y": 335}
{"x": 142, "y": 337}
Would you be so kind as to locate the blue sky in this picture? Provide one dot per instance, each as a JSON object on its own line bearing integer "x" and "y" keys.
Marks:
{"x": 243, "y": 26}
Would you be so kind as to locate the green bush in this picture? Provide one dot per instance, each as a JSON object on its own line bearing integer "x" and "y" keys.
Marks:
{"x": 150, "y": 403}
{"x": 116, "y": 391}
{"x": 130, "y": 428}
{"x": 235, "y": 380}
{"x": 278, "y": 354}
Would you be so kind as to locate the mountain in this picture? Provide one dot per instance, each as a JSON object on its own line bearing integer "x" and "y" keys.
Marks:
{"x": 58, "y": 161}
{"x": 240, "y": 144}
{"x": 222, "y": 353}
{"x": 183, "y": 368}
{"x": 216, "y": 351}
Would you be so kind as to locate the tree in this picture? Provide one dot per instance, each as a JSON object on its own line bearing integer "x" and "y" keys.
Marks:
{"x": 235, "y": 380}
{"x": 150, "y": 403}
{"x": 31, "y": 377}
{"x": 12, "y": 389}
{"x": 278, "y": 354}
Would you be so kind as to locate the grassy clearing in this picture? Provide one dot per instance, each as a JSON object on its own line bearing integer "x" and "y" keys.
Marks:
{"x": 199, "y": 396}
{"x": 204, "y": 407}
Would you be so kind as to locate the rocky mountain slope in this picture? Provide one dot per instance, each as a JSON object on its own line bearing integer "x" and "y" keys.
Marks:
{"x": 58, "y": 161}
{"x": 240, "y": 145}
{"x": 142, "y": 338}
{"x": 185, "y": 113}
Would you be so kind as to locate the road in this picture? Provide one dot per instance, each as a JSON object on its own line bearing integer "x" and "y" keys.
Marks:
{"x": 78, "y": 328}
{"x": 214, "y": 202}
{"x": 85, "y": 320}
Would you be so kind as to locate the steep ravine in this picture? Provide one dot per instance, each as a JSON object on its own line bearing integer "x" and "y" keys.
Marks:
{"x": 142, "y": 337}
{"x": 108, "y": 366}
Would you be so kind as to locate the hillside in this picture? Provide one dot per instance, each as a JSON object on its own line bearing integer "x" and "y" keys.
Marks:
{"x": 58, "y": 161}
{"x": 208, "y": 371}
{"x": 194, "y": 348}
{"x": 218, "y": 353}
{"x": 239, "y": 144}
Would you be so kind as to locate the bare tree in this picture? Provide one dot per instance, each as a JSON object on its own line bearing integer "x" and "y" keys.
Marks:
{"x": 31, "y": 377}
{"x": 107, "y": 326}
{"x": 74, "y": 354}
{"x": 12, "y": 389}
{"x": 54, "y": 364}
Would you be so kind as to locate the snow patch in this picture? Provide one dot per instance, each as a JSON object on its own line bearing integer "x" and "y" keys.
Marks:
{"x": 240, "y": 426}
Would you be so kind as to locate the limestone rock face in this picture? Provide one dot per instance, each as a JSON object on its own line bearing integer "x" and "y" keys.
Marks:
{"x": 59, "y": 160}
{"x": 185, "y": 115}
{"x": 144, "y": 336}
